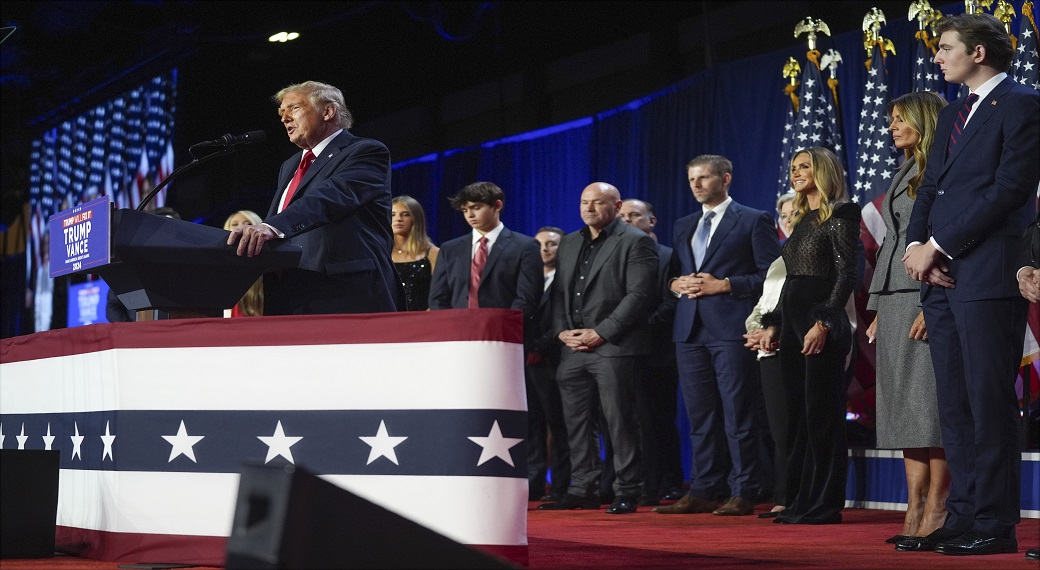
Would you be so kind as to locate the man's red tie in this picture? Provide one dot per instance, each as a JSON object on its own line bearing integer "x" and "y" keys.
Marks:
{"x": 475, "y": 269}
{"x": 958, "y": 124}
{"x": 308, "y": 158}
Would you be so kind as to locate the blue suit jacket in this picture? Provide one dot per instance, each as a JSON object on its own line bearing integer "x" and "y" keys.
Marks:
{"x": 340, "y": 215}
{"x": 743, "y": 246}
{"x": 977, "y": 202}
{"x": 512, "y": 277}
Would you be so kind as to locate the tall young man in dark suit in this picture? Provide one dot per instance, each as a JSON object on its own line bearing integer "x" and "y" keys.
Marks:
{"x": 722, "y": 252}
{"x": 511, "y": 276}
{"x": 605, "y": 280}
{"x": 973, "y": 204}
{"x": 334, "y": 200}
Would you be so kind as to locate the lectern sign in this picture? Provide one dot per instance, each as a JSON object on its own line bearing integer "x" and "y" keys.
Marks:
{"x": 80, "y": 237}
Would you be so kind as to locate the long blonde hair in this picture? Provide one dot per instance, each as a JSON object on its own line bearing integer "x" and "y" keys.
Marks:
{"x": 919, "y": 110}
{"x": 829, "y": 178}
{"x": 418, "y": 240}
{"x": 252, "y": 302}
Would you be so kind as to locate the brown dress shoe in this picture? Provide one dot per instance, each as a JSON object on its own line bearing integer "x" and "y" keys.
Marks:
{"x": 735, "y": 506}
{"x": 686, "y": 506}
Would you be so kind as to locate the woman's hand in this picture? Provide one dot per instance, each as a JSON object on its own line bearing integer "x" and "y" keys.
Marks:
{"x": 917, "y": 330}
{"x": 815, "y": 339}
{"x": 872, "y": 331}
{"x": 767, "y": 340}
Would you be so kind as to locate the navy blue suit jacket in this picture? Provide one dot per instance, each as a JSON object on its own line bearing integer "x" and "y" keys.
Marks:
{"x": 340, "y": 215}
{"x": 512, "y": 277}
{"x": 743, "y": 246}
{"x": 977, "y": 202}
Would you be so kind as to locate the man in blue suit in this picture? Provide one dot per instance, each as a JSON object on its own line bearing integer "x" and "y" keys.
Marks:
{"x": 334, "y": 200}
{"x": 721, "y": 254}
{"x": 511, "y": 276}
{"x": 973, "y": 204}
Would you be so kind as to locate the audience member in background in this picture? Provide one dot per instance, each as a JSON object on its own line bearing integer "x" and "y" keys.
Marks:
{"x": 332, "y": 199}
{"x": 811, "y": 330}
{"x": 769, "y": 365}
{"x": 414, "y": 254}
{"x": 657, "y": 383}
{"x": 604, "y": 289}
{"x": 907, "y": 409}
{"x": 722, "y": 252}
{"x": 252, "y": 302}
{"x": 491, "y": 266}
{"x": 115, "y": 311}
{"x": 976, "y": 199}
{"x": 547, "y": 430}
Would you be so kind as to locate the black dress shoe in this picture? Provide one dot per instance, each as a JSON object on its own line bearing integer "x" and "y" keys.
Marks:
{"x": 1033, "y": 554}
{"x": 898, "y": 538}
{"x": 673, "y": 494}
{"x": 768, "y": 515}
{"x": 570, "y": 502}
{"x": 975, "y": 542}
{"x": 927, "y": 543}
{"x": 623, "y": 505}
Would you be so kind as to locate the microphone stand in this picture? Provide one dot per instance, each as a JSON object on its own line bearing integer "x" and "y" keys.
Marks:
{"x": 183, "y": 168}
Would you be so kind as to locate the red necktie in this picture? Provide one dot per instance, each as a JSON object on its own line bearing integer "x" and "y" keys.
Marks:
{"x": 958, "y": 125}
{"x": 308, "y": 158}
{"x": 475, "y": 269}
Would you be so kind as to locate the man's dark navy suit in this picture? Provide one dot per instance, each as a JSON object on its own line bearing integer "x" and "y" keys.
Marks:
{"x": 976, "y": 202}
{"x": 340, "y": 215}
{"x": 512, "y": 276}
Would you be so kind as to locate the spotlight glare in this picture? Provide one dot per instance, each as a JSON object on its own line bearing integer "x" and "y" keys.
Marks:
{"x": 283, "y": 37}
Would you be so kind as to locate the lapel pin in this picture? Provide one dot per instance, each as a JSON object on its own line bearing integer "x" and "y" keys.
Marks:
{"x": 994, "y": 103}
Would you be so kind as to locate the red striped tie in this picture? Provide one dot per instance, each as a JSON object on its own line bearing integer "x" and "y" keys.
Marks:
{"x": 479, "y": 260}
{"x": 958, "y": 125}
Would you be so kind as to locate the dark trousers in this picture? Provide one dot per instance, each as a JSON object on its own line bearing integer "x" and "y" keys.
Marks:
{"x": 976, "y": 350}
{"x": 656, "y": 407}
{"x": 582, "y": 376}
{"x": 815, "y": 390}
{"x": 776, "y": 412}
{"x": 547, "y": 446}
{"x": 721, "y": 390}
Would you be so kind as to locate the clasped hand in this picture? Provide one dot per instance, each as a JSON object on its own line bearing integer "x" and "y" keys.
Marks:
{"x": 252, "y": 239}
{"x": 923, "y": 263}
{"x": 1029, "y": 284}
{"x": 698, "y": 285}
{"x": 582, "y": 340}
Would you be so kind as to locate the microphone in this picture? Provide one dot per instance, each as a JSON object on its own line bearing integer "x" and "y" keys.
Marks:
{"x": 229, "y": 140}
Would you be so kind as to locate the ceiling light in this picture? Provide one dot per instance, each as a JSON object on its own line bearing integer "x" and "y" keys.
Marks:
{"x": 283, "y": 37}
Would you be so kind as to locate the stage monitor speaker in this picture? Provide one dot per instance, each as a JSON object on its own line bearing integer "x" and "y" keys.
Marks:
{"x": 28, "y": 502}
{"x": 290, "y": 518}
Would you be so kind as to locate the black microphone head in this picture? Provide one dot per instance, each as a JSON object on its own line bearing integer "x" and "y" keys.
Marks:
{"x": 253, "y": 137}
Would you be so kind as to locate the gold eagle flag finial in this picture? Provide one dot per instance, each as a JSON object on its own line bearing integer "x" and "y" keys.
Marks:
{"x": 872, "y": 34}
{"x": 976, "y": 6}
{"x": 921, "y": 11}
{"x": 1005, "y": 12}
{"x": 791, "y": 72}
{"x": 812, "y": 26}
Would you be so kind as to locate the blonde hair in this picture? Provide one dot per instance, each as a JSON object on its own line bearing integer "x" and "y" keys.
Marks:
{"x": 320, "y": 94}
{"x": 919, "y": 110}
{"x": 252, "y": 302}
{"x": 829, "y": 178}
{"x": 418, "y": 240}
{"x": 248, "y": 214}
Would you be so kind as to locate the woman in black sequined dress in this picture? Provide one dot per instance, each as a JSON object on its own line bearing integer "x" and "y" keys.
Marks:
{"x": 414, "y": 254}
{"x": 811, "y": 333}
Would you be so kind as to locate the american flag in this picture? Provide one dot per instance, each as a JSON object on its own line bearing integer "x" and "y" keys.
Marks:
{"x": 816, "y": 123}
{"x": 1026, "y": 68}
{"x": 783, "y": 182}
{"x": 875, "y": 155}
{"x": 926, "y": 75}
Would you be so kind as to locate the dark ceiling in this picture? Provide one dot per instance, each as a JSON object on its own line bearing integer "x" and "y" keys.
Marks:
{"x": 66, "y": 56}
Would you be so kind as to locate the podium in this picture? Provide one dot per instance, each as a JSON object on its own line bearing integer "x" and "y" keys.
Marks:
{"x": 181, "y": 268}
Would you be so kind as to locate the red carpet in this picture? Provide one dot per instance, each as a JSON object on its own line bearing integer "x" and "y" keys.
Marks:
{"x": 583, "y": 539}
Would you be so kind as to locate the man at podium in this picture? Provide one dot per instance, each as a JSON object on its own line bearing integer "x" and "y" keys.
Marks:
{"x": 333, "y": 200}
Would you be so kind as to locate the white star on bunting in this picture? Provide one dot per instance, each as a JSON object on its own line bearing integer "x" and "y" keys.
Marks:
{"x": 494, "y": 445}
{"x": 183, "y": 444}
{"x": 48, "y": 440}
{"x": 279, "y": 444}
{"x": 22, "y": 438}
{"x": 108, "y": 439}
{"x": 382, "y": 444}
{"x": 77, "y": 441}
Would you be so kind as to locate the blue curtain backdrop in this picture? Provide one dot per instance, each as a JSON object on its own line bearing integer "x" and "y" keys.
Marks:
{"x": 736, "y": 109}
